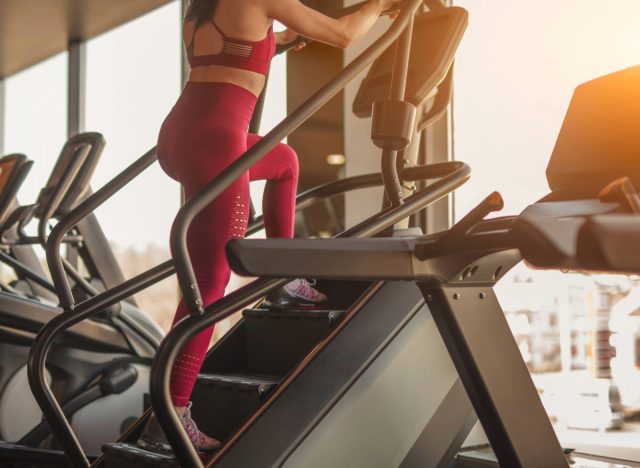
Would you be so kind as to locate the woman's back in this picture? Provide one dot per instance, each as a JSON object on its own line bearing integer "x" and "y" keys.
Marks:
{"x": 233, "y": 44}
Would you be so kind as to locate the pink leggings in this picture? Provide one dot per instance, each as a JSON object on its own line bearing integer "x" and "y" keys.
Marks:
{"x": 205, "y": 132}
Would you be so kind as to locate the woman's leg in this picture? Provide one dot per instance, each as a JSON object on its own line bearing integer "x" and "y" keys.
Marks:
{"x": 198, "y": 159}
{"x": 280, "y": 169}
{"x": 224, "y": 219}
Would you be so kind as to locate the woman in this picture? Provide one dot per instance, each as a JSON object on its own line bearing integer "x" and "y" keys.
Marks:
{"x": 230, "y": 44}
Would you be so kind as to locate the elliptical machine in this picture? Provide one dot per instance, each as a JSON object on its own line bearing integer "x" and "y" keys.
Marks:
{"x": 99, "y": 369}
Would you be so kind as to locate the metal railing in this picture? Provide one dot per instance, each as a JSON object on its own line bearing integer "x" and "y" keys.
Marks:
{"x": 453, "y": 176}
{"x": 75, "y": 313}
{"x": 193, "y": 324}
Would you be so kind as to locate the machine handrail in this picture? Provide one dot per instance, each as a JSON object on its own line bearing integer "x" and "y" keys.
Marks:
{"x": 186, "y": 214}
{"x": 337, "y": 187}
{"x": 448, "y": 171}
{"x": 303, "y": 201}
{"x": 177, "y": 337}
{"x": 76, "y": 313}
{"x": 54, "y": 258}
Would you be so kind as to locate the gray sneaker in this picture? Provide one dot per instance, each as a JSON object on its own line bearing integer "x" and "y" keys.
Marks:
{"x": 153, "y": 437}
{"x": 297, "y": 294}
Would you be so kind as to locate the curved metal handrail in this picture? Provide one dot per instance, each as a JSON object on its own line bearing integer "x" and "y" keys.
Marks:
{"x": 44, "y": 340}
{"x": 54, "y": 259}
{"x": 184, "y": 267}
{"x": 363, "y": 181}
{"x": 77, "y": 313}
{"x": 193, "y": 324}
{"x": 89, "y": 308}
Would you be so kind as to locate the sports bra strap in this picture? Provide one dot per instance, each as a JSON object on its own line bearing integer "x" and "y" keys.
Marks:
{"x": 215, "y": 25}
{"x": 193, "y": 38}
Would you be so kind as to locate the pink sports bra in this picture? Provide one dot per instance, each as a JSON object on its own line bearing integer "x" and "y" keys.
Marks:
{"x": 252, "y": 56}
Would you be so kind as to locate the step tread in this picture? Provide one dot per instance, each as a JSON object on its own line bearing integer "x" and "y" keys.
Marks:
{"x": 260, "y": 383}
{"x": 305, "y": 314}
{"x": 137, "y": 454}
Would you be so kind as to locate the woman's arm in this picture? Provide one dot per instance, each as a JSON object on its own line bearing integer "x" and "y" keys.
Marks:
{"x": 338, "y": 32}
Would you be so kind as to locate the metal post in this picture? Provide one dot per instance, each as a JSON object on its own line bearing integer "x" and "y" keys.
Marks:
{"x": 393, "y": 185}
{"x": 77, "y": 80}
{"x": 185, "y": 69}
{"x": 437, "y": 147}
{"x": 497, "y": 381}
{"x": 2, "y": 114}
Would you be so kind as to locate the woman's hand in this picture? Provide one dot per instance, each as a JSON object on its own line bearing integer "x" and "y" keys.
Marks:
{"x": 287, "y": 37}
{"x": 387, "y": 4}
{"x": 339, "y": 32}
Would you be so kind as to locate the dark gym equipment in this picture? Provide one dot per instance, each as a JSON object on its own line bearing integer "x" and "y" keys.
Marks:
{"x": 456, "y": 270}
{"x": 445, "y": 176}
{"x": 100, "y": 367}
{"x": 280, "y": 414}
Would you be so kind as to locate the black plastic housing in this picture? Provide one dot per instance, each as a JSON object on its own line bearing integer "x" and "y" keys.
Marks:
{"x": 392, "y": 124}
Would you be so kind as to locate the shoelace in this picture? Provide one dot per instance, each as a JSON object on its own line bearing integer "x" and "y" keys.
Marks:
{"x": 191, "y": 427}
{"x": 304, "y": 288}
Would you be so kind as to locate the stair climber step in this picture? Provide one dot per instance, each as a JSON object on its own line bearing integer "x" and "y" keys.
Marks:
{"x": 276, "y": 340}
{"x": 223, "y": 402}
{"x": 122, "y": 455}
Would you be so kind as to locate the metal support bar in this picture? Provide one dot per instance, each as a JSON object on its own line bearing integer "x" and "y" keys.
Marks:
{"x": 39, "y": 352}
{"x": 414, "y": 203}
{"x": 392, "y": 186}
{"x": 26, "y": 271}
{"x": 401, "y": 64}
{"x": 487, "y": 358}
{"x": 54, "y": 258}
{"x": 77, "y": 81}
{"x": 3, "y": 114}
{"x": 392, "y": 182}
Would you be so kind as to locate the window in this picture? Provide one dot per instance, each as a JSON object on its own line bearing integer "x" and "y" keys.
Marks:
{"x": 36, "y": 119}
{"x": 515, "y": 74}
{"x": 133, "y": 79}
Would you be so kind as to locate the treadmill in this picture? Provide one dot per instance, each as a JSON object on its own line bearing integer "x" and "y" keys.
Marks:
{"x": 590, "y": 221}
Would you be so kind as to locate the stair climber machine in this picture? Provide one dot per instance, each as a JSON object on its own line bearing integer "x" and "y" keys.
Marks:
{"x": 589, "y": 222}
{"x": 251, "y": 377}
{"x": 99, "y": 369}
